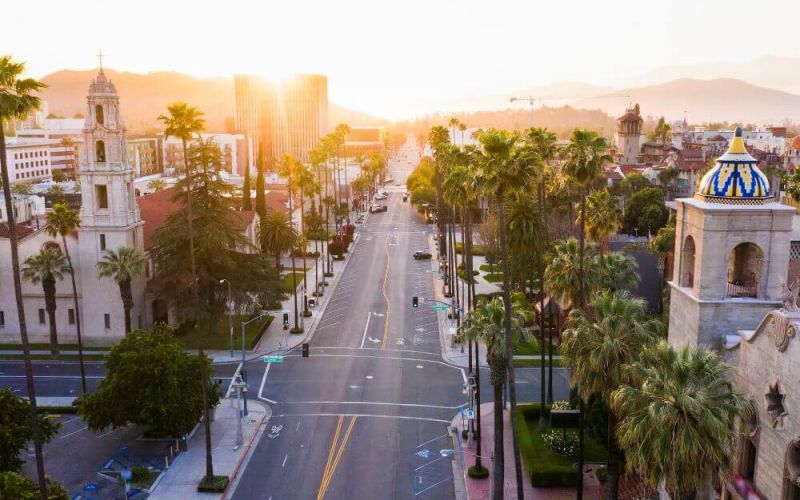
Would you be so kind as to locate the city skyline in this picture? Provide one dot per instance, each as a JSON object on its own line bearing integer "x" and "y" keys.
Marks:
{"x": 426, "y": 54}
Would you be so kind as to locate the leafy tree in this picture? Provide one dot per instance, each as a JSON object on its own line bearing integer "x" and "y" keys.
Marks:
{"x": 61, "y": 221}
{"x": 123, "y": 265}
{"x": 47, "y": 267}
{"x": 563, "y": 274}
{"x": 645, "y": 212}
{"x": 676, "y": 425}
{"x": 662, "y": 132}
{"x": 278, "y": 236}
{"x": 632, "y": 184}
{"x": 17, "y": 101}
{"x": 16, "y": 486}
{"x": 423, "y": 174}
{"x": 618, "y": 272}
{"x": 603, "y": 217}
{"x": 55, "y": 190}
{"x": 150, "y": 381}
{"x": 668, "y": 176}
{"x": 22, "y": 188}
{"x": 59, "y": 176}
{"x": 156, "y": 185}
{"x": 423, "y": 194}
{"x": 599, "y": 346}
{"x": 16, "y": 431}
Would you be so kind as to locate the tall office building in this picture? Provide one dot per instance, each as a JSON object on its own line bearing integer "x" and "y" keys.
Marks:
{"x": 282, "y": 118}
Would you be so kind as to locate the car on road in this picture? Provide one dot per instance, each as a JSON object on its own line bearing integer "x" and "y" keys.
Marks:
{"x": 381, "y": 196}
{"x": 378, "y": 208}
{"x": 422, "y": 255}
{"x": 397, "y": 183}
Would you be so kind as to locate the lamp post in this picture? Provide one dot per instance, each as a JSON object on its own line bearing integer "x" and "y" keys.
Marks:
{"x": 244, "y": 370}
{"x": 230, "y": 311}
{"x": 241, "y": 389}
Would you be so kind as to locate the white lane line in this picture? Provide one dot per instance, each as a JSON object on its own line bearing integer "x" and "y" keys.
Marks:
{"x": 284, "y": 460}
{"x": 261, "y": 387}
{"x": 230, "y": 386}
{"x": 432, "y": 440}
{"x": 366, "y": 327}
{"x": 74, "y": 432}
{"x": 400, "y": 417}
{"x": 52, "y": 376}
{"x": 381, "y": 403}
{"x": 107, "y": 433}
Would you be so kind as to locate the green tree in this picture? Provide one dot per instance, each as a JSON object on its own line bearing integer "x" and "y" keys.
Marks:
{"x": 123, "y": 265}
{"x": 16, "y": 486}
{"x": 645, "y": 212}
{"x": 16, "y": 431}
{"x": 278, "y": 236}
{"x": 22, "y": 188}
{"x": 62, "y": 221}
{"x": 17, "y": 101}
{"x": 599, "y": 346}
{"x": 662, "y": 133}
{"x": 603, "y": 218}
{"x": 618, "y": 272}
{"x": 564, "y": 272}
{"x": 676, "y": 423}
{"x": 59, "y": 176}
{"x": 55, "y": 190}
{"x": 47, "y": 267}
{"x": 156, "y": 185}
{"x": 150, "y": 381}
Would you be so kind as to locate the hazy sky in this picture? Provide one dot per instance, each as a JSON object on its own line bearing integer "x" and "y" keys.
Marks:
{"x": 388, "y": 58}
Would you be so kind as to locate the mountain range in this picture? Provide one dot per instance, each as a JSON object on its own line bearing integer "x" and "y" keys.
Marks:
{"x": 145, "y": 96}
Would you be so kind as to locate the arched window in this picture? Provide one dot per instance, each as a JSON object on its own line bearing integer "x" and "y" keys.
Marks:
{"x": 98, "y": 114}
{"x": 748, "y": 432}
{"x": 100, "y": 151}
{"x": 791, "y": 477}
{"x": 744, "y": 270}
{"x": 687, "y": 259}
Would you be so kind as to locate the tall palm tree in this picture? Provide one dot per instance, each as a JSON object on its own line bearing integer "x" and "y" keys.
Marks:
{"x": 618, "y": 272}
{"x": 585, "y": 155}
{"x": 62, "y": 221}
{"x": 183, "y": 122}
{"x": 278, "y": 235}
{"x": 123, "y": 265}
{"x": 17, "y": 101}
{"x": 507, "y": 166}
{"x": 676, "y": 427}
{"x": 341, "y": 132}
{"x": 305, "y": 184}
{"x": 288, "y": 167}
{"x": 317, "y": 159}
{"x": 68, "y": 143}
{"x": 603, "y": 217}
{"x": 599, "y": 346}
{"x": 47, "y": 267}
{"x": 563, "y": 275}
{"x": 487, "y": 323}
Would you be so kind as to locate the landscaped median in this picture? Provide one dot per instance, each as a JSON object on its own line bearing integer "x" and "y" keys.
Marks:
{"x": 544, "y": 466}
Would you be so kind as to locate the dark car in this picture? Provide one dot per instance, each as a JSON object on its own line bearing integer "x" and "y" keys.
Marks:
{"x": 422, "y": 255}
{"x": 378, "y": 208}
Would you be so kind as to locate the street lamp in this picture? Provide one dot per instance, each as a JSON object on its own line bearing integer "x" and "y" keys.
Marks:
{"x": 241, "y": 389}
{"x": 244, "y": 370}
{"x": 230, "y": 311}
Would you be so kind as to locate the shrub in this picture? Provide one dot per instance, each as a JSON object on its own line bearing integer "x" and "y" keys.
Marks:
{"x": 336, "y": 248}
{"x": 216, "y": 485}
{"x": 565, "y": 444}
{"x": 561, "y": 405}
{"x": 349, "y": 229}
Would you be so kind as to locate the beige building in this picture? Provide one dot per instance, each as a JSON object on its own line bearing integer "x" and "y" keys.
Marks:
{"x": 736, "y": 248}
{"x": 282, "y": 118}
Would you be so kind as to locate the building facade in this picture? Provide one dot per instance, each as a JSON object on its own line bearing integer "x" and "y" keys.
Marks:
{"x": 29, "y": 160}
{"x": 629, "y": 136}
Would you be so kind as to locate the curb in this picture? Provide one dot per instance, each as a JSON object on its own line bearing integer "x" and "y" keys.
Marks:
{"x": 241, "y": 464}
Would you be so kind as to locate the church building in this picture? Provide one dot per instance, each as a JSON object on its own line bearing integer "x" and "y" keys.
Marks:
{"x": 734, "y": 289}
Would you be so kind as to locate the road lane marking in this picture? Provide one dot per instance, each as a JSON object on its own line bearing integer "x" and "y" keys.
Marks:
{"x": 74, "y": 432}
{"x": 382, "y": 403}
{"x": 330, "y": 456}
{"x": 399, "y": 417}
{"x": 366, "y": 327}
{"x": 327, "y": 479}
{"x": 261, "y": 387}
{"x": 284, "y": 460}
{"x": 386, "y": 297}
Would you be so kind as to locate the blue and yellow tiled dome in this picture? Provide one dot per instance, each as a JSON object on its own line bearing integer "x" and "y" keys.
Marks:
{"x": 735, "y": 178}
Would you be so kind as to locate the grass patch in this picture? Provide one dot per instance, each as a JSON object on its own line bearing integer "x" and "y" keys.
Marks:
{"x": 490, "y": 268}
{"x": 46, "y": 357}
{"x": 194, "y": 338}
{"x": 217, "y": 484}
{"x": 287, "y": 281}
{"x": 46, "y": 347}
{"x": 476, "y": 249}
{"x": 542, "y": 464}
{"x": 493, "y": 278}
{"x": 56, "y": 410}
{"x": 538, "y": 362}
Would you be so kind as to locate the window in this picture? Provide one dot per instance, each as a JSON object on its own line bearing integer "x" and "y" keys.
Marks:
{"x": 98, "y": 114}
{"x": 101, "y": 196}
{"x": 41, "y": 317}
{"x": 107, "y": 321}
{"x": 2, "y": 319}
{"x": 71, "y": 316}
{"x": 100, "y": 151}
{"x": 102, "y": 241}
{"x": 744, "y": 270}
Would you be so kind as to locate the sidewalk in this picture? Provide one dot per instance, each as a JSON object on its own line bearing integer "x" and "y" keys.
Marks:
{"x": 181, "y": 479}
{"x": 479, "y": 489}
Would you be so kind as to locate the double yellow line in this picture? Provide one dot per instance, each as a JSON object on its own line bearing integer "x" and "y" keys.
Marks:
{"x": 386, "y": 297}
{"x": 334, "y": 455}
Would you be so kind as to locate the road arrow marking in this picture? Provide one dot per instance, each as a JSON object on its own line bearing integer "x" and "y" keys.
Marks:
{"x": 374, "y": 341}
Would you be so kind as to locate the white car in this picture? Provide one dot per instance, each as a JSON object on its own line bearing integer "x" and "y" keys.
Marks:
{"x": 381, "y": 197}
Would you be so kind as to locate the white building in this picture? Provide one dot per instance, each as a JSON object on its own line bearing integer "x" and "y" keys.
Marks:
{"x": 29, "y": 159}
{"x": 67, "y": 134}
{"x": 233, "y": 147}
{"x": 25, "y": 208}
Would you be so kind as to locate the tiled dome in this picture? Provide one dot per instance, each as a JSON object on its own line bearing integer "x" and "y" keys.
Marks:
{"x": 795, "y": 144}
{"x": 735, "y": 178}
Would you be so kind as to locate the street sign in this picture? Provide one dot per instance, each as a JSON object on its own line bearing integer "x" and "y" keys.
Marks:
{"x": 439, "y": 307}
{"x": 273, "y": 359}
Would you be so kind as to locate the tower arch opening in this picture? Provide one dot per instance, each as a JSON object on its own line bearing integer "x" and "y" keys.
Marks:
{"x": 99, "y": 115}
{"x": 100, "y": 151}
{"x": 687, "y": 259}
{"x": 744, "y": 270}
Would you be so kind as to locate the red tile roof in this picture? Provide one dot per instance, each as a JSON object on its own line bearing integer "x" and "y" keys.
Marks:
{"x": 627, "y": 169}
{"x": 692, "y": 165}
{"x": 22, "y": 230}
{"x": 691, "y": 154}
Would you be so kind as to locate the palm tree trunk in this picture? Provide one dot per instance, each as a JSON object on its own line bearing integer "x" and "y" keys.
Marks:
{"x": 613, "y": 458}
{"x": 49, "y": 289}
{"x": 498, "y": 461}
{"x": 304, "y": 245}
{"x": 77, "y": 314}
{"x": 476, "y": 370}
{"x": 512, "y": 393}
{"x": 127, "y": 303}
{"x": 294, "y": 276}
{"x": 203, "y": 377}
{"x": 327, "y": 248}
{"x": 23, "y": 326}
{"x": 582, "y": 292}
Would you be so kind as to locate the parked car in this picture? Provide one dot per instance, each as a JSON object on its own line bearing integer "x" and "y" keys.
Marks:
{"x": 378, "y": 208}
{"x": 379, "y": 196}
{"x": 422, "y": 255}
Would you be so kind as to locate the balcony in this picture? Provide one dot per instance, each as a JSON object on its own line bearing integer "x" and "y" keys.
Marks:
{"x": 742, "y": 289}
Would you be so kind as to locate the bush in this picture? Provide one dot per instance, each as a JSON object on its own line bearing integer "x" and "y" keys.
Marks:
{"x": 216, "y": 485}
{"x": 476, "y": 249}
{"x": 336, "y": 248}
{"x": 565, "y": 444}
{"x": 349, "y": 229}
{"x": 19, "y": 487}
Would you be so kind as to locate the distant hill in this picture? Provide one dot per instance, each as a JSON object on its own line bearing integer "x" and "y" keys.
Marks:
{"x": 721, "y": 99}
{"x": 144, "y": 97}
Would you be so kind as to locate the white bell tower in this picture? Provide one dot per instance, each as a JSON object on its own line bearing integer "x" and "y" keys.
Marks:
{"x": 109, "y": 214}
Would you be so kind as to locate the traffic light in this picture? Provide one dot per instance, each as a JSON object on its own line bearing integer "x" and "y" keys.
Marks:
{"x": 305, "y": 349}
{"x": 415, "y": 302}
{"x": 285, "y": 320}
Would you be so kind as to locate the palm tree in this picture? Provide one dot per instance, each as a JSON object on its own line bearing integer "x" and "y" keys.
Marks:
{"x": 47, "y": 267}
{"x": 157, "y": 185}
{"x": 68, "y": 143}
{"x": 62, "y": 221}
{"x": 123, "y": 265}
{"x": 184, "y": 121}
{"x": 599, "y": 346}
{"x": 585, "y": 155}
{"x": 487, "y": 323}
{"x": 278, "y": 235}
{"x": 618, "y": 272}
{"x": 288, "y": 167}
{"x": 603, "y": 217}
{"x": 507, "y": 166}
{"x": 676, "y": 427}
{"x": 341, "y": 132}
{"x": 17, "y": 101}
{"x": 563, "y": 274}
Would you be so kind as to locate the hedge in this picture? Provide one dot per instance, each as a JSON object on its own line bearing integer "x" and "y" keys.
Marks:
{"x": 476, "y": 249}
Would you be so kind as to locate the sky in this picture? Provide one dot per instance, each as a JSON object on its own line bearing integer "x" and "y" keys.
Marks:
{"x": 393, "y": 58}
